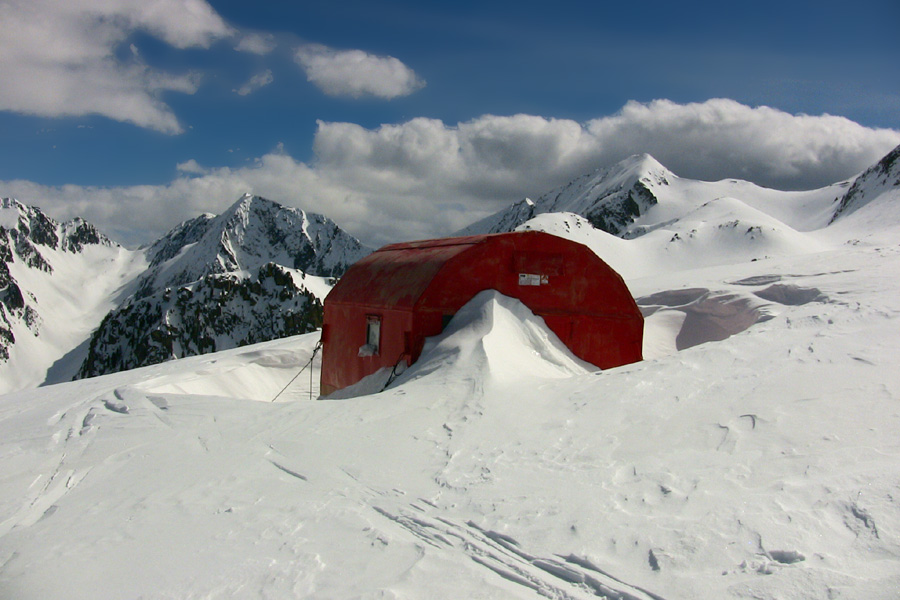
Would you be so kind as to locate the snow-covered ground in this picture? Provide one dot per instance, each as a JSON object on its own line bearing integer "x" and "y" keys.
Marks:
{"x": 754, "y": 453}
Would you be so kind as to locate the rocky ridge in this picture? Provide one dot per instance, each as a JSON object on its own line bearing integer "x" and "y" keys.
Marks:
{"x": 27, "y": 238}
{"x": 611, "y": 199}
{"x": 219, "y": 282}
{"x": 254, "y": 273}
{"x": 218, "y": 312}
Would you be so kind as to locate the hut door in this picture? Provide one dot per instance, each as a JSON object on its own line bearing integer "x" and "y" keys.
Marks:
{"x": 373, "y": 336}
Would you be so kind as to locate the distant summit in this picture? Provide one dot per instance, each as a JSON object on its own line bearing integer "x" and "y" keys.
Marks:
{"x": 44, "y": 266}
{"x": 219, "y": 282}
{"x": 73, "y": 301}
{"x": 611, "y": 199}
{"x": 638, "y": 195}
{"x": 251, "y": 233}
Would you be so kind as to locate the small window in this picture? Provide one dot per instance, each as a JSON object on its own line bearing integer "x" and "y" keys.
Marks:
{"x": 373, "y": 336}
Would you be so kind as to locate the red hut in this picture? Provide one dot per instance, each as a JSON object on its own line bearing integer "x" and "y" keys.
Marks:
{"x": 385, "y": 305}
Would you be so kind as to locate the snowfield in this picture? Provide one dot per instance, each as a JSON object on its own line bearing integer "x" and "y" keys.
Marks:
{"x": 753, "y": 454}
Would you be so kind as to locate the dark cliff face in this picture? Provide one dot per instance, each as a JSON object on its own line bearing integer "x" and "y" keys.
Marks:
{"x": 11, "y": 304}
{"x": 218, "y": 312}
{"x": 610, "y": 199}
{"x": 33, "y": 236}
{"x": 615, "y": 213}
{"x": 885, "y": 174}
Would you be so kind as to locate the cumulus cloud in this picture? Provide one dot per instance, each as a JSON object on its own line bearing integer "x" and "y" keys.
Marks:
{"x": 424, "y": 178}
{"x": 256, "y": 43}
{"x": 190, "y": 166}
{"x": 523, "y": 154}
{"x": 158, "y": 208}
{"x": 467, "y": 170}
{"x": 722, "y": 138}
{"x": 254, "y": 83}
{"x": 356, "y": 73}
{"x": 58, "y": 58}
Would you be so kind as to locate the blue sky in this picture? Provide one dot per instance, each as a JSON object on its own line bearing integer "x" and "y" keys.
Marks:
{"x": 410, "y": 119}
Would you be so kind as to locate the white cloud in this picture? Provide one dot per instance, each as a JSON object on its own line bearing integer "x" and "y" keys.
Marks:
{"x": 256, "y": 43}
{"x": 424, "y": 178}
{"x": 356, "y": 73}
{"x": 722, "y": 138}
{"x": 191, "y": 167}
{"x": 140, "y": 213}
{"x": 513, "y": 156}
{"x": 254, "y": 83}
{"x": 58, "y": 57}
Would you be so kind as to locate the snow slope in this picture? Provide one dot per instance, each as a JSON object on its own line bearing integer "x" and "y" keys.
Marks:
{"x": 74, "y": 302}
{"x": 638, "y": 195}
{"x": 754, "y": 454}
{"x": 67, "y": 277}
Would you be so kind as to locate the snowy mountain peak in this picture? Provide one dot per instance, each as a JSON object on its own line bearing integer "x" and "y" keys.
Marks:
{"x": 10, "y": 204}
{"x": 610, "y": 198}
{"x": 638, "y": 165}
{"x": 638, "y": 195}
{"x": 29, "y": 225}
{"x": 259, "y": 260}
{"x": 254, "y": 273}
{"x": 50, "y": 291}
{"x": 252, "y": 232}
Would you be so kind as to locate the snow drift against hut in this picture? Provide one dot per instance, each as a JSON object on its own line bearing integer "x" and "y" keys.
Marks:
{"x": 385, "y": 305}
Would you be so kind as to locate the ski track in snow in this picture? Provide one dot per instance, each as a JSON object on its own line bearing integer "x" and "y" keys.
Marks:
{"x": 776, "y": 479}
{"x": 554, "y": 577}
{"x": 753, "y": 454}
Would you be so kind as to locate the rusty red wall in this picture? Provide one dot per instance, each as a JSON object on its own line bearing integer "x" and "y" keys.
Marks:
{"x": 345, "y": 333}
{"x": 417, "y": 286}
{"x": 578, "y": 288}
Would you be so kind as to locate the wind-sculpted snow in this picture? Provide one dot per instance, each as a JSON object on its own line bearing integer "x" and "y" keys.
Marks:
{"x": 762, "y": 465}
{"x": 500, "y": 339}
